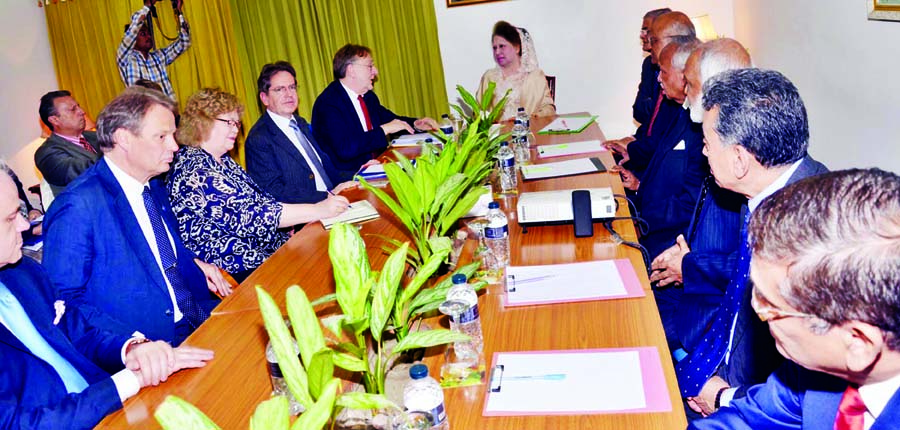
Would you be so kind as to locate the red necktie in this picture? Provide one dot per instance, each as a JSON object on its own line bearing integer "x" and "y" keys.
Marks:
{"x": 365, "y": 110}
{"x": 87, "y": 146}
{"x": 655, "y": 111}
{"x": 851, "y": 411}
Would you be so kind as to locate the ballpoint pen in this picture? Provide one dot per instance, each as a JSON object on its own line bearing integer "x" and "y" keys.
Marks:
{"x": 335, "y": 195}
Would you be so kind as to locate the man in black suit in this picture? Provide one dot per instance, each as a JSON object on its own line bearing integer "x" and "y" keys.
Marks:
{"x": 349, "y": 120}
{"x": 282, "y": 155}
{"x": 70, "y": 150}
{"x": 756, "y": 136}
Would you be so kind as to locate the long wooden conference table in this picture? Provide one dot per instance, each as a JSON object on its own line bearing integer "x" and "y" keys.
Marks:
{"x": 236, "y": 380}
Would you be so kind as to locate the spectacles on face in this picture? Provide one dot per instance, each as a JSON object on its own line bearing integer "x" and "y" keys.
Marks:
{"x": 370, "y": 66}
{"x": 768, "y": 313}
{"x": 284, "y": 89}
{"x": 230, "y": 122}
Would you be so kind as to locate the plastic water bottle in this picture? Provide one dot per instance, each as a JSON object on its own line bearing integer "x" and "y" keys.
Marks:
{"x": 507, "y": 165}
{"x": 522, "y": 116}
{"x": 521, "y": 143}
{"x": 424, "y": 394}
{"x": 446, "y": 126}
{"x": 496, "y": 237}
{"x": 466, "y": 319}
{"x": 279, "y": 385}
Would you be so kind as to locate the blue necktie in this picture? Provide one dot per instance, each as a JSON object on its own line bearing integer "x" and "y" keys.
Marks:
{"x": 189, "y": 307}
{"x": 23, "y": 329}
{"x": 701, "y": 364}
{"x": 311, "y": 154}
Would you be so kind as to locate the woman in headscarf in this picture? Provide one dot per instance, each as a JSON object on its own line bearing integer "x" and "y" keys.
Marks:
{"x": 517, "y": 70}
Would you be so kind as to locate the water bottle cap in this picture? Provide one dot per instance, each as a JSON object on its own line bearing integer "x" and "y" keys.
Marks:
{"x": 493, "y": 205}
{"x": 521, "y": 109}
{"x": 504, "y": 143}
{"x": 445, "y": 116}
{"x": 418, "y": 371}
{"x": 459, "y": 278}
{"x": 518, "y": 121}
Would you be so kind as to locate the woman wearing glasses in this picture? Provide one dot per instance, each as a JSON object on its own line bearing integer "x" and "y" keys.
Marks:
{"x": 223, "y": 216}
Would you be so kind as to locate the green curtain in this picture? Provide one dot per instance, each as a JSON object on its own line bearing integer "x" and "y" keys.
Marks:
{"x": 401, "y": 33}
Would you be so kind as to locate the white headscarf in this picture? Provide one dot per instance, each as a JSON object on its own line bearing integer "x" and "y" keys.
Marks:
{"x": 528, "y": 60}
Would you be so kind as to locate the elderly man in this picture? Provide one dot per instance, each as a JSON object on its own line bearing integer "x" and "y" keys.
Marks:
{"x": 637, "y": 150}
{"x": 648, "y": 88}
{"x": 112, "y": 246}
{"x": 826, "y": 276}
{"x": 282, "y": 155}
{"x": 349, "y": 120}
{"x": 56, "y": 364}
{"x": 756, "y": 136}
{"x": 703, "y": 260}
{"x": 70, "y": 150}
{"x": 668, "y": 187}
{"x": 136, "y": 56}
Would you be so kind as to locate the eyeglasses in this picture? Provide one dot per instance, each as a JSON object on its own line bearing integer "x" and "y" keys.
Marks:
{"x": 370, "y": 66}
{"x": 283, "y": 90}
{"x": 768, "y": 313}
{"x": 232, "y": 123}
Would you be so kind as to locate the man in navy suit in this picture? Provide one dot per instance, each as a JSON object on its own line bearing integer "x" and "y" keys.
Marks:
{"x": 756, "y": 136}
{"x": 282, "y": 155}
{"x": 826, "y": 277}
{"x": 56, "y": 364}
{"x": 112, "y": 246}
{"x": 648, "y": 88}
{"x": 349, "y": 120}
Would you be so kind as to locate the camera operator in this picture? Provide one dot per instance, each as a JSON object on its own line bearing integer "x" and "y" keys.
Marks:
{"x": 136, "y": 56}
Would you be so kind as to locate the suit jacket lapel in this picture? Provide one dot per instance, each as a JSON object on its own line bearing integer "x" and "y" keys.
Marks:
{"x": 280, "y": 139}
{"x": 820, "y": 409}
{"x": 347, "y": 105}
{"x": 129, "y": 226}
{"x": 890, "y": 416}
{"x": 675, "y": 129}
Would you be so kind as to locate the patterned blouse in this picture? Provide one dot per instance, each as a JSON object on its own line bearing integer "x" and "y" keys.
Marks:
{"x": 223, "y": 216}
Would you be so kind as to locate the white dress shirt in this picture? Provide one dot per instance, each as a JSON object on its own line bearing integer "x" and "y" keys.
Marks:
{"x": 354, "y": 100}
{"x": 133, "y": 192}
{"x": 284, "y": 124}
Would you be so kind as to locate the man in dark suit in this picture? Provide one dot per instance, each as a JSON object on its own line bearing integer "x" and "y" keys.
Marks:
{"x": 56, "y": 364}
{"x": 668, "y": 187}
{"x": 756, "y": 137}
{"x": 648, "y": 88}
{"x": 70, "y": 150}
{"x": 282, "y": 155}
{"x": 349, "y": 120}
{"x": 112, "y": 246}
{"x": 826, "y": 277}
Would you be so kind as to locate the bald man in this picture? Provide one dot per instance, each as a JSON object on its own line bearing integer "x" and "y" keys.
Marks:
{"x": 712, "y": 58}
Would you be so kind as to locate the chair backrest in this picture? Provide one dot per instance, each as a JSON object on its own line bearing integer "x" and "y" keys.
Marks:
{"x": 46, "y": 194}
{"x": 551, "y": 82}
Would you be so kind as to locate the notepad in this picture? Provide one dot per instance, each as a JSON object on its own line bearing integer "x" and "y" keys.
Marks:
{"x": 413, "y": 140}
{"x": 576, "y": 382}
{"x": 572, "y": 282}
{"x": 374, "y": 171}
{"x": 568, "y": 125}
{"x": 358, "y": 212}
{"x": 563, "y": 149}
{"x": 562, "y": 168}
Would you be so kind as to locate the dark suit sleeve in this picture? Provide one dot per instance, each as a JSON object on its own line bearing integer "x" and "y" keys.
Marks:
{"x": 703, "y": 270}
{"x": 644, "y": 103}
{"x": 777, "y": 404}
{"x": 75, "y": 411}
{"x": 679, "y": 206}
{"x": 342, "y": 135}
{"x": 58, "y": 166}
{"x": 264, "y": 167}
{"x": 639, "y": 154}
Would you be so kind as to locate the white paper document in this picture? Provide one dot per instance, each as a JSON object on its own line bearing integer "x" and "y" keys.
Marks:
{"x": 562, "y": 149}
{"x": 558, "y": 283}
{"x": 413, "y": 140}
{"x": 565, "y": 382}
{"x": 358, "y": 212}
{"x": 567, "y": 124}
{"x": 562, "y": 168}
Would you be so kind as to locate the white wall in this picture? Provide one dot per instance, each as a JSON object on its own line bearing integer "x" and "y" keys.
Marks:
{"x": 591, "y": 46}
{"x": 846, "y": 68}
{"x": 26, "y": 73}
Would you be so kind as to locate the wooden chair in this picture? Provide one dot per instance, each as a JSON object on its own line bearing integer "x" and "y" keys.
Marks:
{"x": 551, "y": 82}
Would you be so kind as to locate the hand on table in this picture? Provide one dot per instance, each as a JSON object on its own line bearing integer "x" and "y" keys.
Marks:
{"x": 214, "y": 279}
{"x": 426, "y": 124}
{"x": 332, "y": 206}
{"x": 152, "y": 362}
{"x": 667, "y": 266}
{"x": 629, "y": 180}
{"x": 349, "y": 185}
{"x": 705, "y": 402}
{"x": 396, "y": 126}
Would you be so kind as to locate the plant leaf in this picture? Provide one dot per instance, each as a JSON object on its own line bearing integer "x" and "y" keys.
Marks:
{"x": 174, "y": 413}
{"x": 392, "y": 204}
{"x": 334, "y": 324}
{"x": 462, "y": 207}
{"x": 349, "y": 362}
{"x": 320, "y": 370}
{"x": 305, "y": 324}
{"x": 347, "y": 252}
{"x": 386, "y": 291}
{"x": 328, "y": 298}
{"x": 317, "y": 415}
{"x": 360, "y": 400}
{"x": 272, "y": 414}
{"x": 425, "y": 339}
{"x": 283, "y": 344}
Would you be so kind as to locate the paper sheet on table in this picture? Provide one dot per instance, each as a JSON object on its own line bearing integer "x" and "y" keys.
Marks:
{"x": 568, "y": 125}
{"x": 562, "y": 168}
{"x": 375, "y": 171}
{"x": 481, "y": 206}
{"x": 562, "y": 149}
{"x": 572, "y": 282}
{"x": 358, "y": 212}
{"x": 413, "y": 140}
{"x": 576, "y": 382}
